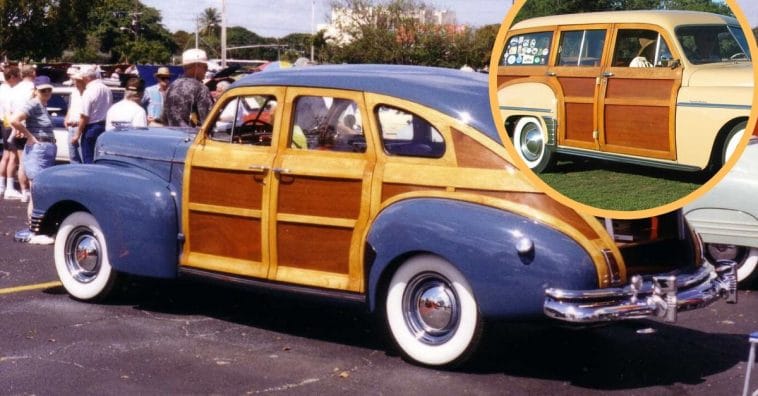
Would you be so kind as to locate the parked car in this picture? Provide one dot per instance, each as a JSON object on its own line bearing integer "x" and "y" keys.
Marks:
{"x": 727, "y": 216}
{"x": 57, "y": 107}
{"x": 669, "y": 89}
{"x": 386, "y": 185}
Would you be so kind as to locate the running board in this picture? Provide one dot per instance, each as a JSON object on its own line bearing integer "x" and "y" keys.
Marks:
{"x": 276, "y": 286}
{"x": 625, "y": 159}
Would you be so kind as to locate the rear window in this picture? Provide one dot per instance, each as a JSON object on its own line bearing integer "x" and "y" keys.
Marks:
{"x": 528, "y": 49}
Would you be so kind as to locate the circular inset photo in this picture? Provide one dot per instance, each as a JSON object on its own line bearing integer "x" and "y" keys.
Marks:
{"x": 624, "y": 112}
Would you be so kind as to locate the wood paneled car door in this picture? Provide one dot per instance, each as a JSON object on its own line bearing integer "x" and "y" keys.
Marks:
{"x": 321, "y": 189}
{"x": 578, "y": 65}
{"x": 638, "y": 94}
{"x": 227, "y": 184}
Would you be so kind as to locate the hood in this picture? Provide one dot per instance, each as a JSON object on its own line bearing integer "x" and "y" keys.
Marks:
{"x": 738, "y": 74}
{"x": 157, "y": 150}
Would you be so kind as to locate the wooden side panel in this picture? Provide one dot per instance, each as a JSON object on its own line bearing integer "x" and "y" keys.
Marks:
{"x": 212, "y": 187}
{"x": 226, "y": 235}
{"x": 325, "y": 197}
{"x": 390, "y": 190}
{"x": 545, "y": 204}
{"x": 313, "y": 247}
{"x": 580, "y": 120}
{"x": 471, "y": 154}
{"x": 642, "y": 127}
{"x": 578, "y": 87}
{"x": 639, "y": 88}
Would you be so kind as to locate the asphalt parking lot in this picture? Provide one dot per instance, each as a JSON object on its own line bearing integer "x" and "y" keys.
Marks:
{"x": 187, "y": 337}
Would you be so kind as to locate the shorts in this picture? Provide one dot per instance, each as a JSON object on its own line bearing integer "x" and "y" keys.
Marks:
{"x": 37, "y": 157}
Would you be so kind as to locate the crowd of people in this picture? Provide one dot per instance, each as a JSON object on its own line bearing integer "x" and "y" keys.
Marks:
{"x": 29, "y": 145}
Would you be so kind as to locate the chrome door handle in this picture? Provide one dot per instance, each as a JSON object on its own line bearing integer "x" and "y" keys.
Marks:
{"x": 607, "y": 74}
{"x": 284, "y": 171}
{"x": 550, "y": 74}
{"x": 258, "y": 168}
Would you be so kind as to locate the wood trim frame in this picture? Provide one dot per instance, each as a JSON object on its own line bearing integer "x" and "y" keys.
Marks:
{"x": 244, "y": 160}
{"x": 648, "y": 74}
{"x": 315, "y": 165}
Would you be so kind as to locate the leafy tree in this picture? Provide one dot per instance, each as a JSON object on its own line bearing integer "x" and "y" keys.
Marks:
{"x": 36, "y": 29}
{"x": 210, "y": 21}
{"x": 394, "y": 32}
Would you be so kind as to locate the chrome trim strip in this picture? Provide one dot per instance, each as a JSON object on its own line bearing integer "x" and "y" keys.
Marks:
{"x": 533, "y": 109}
{"x": 625, "y": 159}
{"x": 258, "y": 283}
{"x": 660, "y": 295}
{"x": 552, "y": 128}
{"x": 714, "y": 105}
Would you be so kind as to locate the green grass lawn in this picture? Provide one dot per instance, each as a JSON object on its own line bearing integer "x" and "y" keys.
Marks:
{"x": 613, "y": 186}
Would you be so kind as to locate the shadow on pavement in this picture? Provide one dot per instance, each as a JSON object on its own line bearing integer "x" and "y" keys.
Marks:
{"x": 613, "y": 357}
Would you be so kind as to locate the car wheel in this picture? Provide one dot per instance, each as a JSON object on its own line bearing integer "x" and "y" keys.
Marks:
{"x": 81, "y": 258}
{"x": 431, "y": 312}
{"x": 530, "y": 142}
{"x": 732, "y": 141}
{"x": 745, "y": 257}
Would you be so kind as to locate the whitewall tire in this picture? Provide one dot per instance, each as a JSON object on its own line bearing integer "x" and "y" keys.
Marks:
{"x": 745, "y": 257}
{"x": 732, "y": 141}
{"x": 431, "y": 312}
{"x": 81, "y": 258}
{"x": 530, "y": 141}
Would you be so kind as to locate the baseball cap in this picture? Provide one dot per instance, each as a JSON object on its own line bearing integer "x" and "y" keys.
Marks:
{"x": 42, "y": 82}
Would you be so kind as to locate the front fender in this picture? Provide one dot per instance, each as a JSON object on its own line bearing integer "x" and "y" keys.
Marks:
{"x": 481, "y": 242}
{"x": 135, "y": 209}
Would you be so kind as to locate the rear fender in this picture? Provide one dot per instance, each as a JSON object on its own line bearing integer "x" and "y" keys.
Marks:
{"x": 135, "y": 209}
{"x": 481, "y": 242}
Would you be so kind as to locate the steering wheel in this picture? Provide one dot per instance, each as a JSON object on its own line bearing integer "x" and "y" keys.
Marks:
{"x": 257, "y": 121}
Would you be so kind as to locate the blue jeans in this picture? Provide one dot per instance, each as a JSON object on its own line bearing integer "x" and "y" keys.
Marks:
{"x": 37, "y": 157}
{"x": 88, "y": 140}
{"x": 73, "y": 149}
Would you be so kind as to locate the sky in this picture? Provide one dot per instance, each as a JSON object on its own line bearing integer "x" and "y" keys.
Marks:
{"x": 277, "y": 18}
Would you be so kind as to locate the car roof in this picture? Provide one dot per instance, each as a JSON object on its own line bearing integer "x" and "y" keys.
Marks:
{"x": 461, "y": 95}
{"x": 665, "y": 18}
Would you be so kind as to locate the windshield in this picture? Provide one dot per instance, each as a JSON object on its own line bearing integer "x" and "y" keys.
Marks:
{"x": 712, "y": 43}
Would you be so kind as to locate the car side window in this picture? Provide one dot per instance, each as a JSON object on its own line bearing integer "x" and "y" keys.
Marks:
{"x": 327, "y": 123}
{"x": 528, "y": 49}
{"x": 581, "y": 48}
{"x": 408, "y": 135}
{"x": 640, "y": 48}
{"x": 246, "y": 120}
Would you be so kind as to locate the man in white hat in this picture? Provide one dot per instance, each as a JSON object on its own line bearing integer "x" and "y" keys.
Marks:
{"x": 188, "y": 100}
{"x": 96, "y": 100}
{"x": 155, "y": 95}
{"x": 74, "y": 113}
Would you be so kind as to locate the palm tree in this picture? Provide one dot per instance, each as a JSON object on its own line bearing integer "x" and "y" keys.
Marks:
{"x": 210, "y": 20}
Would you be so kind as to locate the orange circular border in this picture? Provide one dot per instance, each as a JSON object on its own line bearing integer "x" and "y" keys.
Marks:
{"x": 617, "y": 214}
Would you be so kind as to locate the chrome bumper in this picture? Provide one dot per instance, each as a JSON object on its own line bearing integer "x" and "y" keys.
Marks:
{"x": 650, "y": 296}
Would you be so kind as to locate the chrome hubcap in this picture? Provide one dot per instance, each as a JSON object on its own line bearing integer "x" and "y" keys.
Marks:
{"x": 82, "y": 254}
{"x": 718, "y": 252}
{"x": 532, "y": 143}
{"x": 431, "y": 308}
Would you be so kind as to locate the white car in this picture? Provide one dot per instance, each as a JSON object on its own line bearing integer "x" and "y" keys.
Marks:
{"x": 727, "y": 217}
{"x": 57, "y": 106}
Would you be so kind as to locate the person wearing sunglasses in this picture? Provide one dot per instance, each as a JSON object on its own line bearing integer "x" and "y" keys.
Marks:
{"x": 34, "y": 122}
{"x": 155, "y": 94}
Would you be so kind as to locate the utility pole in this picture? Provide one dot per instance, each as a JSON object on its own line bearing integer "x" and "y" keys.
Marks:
{"x": 197, "y": 32}
{"x": 313, "y": 27}
{"x": 223, "y": 33}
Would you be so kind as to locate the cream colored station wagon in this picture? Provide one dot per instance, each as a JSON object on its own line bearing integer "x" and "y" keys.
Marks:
{"x": 668, "y": 89}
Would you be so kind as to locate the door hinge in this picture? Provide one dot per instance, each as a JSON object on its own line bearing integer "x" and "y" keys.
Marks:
{"x": 595, "y": 135}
